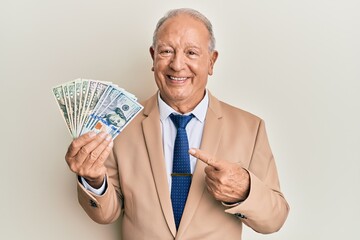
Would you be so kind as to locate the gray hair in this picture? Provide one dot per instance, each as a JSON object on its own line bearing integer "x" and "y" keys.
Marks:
{"x": 191, "y": 12}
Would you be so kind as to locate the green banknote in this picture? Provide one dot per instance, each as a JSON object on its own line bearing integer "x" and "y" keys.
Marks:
{"x": 93, "y": 105}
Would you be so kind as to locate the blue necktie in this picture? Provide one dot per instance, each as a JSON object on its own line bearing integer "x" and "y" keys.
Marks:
{"x": 181, "y": 176}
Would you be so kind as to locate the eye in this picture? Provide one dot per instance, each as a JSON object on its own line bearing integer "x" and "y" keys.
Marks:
{"x": 192, "y": 53}
{"x": 166, "y": 52}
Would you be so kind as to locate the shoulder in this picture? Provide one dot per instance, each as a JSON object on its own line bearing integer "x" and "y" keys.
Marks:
{"x": 236, "y": 118}
{"x": 232, "y": 113}
{"x": 230, "y": 110}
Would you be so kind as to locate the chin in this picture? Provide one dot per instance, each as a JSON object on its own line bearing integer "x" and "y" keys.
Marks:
{"x": 180, "y": 97}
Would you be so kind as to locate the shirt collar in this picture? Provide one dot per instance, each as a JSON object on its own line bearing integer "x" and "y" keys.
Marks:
{"x": 199, "y": 111}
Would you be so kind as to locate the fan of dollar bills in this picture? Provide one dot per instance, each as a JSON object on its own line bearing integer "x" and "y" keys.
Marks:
{"x": 92, "y": 105}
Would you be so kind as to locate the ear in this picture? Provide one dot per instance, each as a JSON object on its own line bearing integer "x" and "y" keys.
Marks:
{"x": 152, "y": 52}
{"x": 213, "y": 56}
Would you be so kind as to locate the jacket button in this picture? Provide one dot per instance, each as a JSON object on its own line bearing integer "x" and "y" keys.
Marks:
{"x": 239, "y": 215}
{"x": 93, "y": 203}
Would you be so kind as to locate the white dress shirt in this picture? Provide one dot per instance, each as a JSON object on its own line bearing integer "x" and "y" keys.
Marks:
{"x": 194, "y": 131}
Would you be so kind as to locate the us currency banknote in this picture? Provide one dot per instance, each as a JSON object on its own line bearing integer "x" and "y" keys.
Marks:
{"x": 93, "y": 105}
{"x": 115, "y": 114}
{"x": 68, "y": 107}
{"x": 90, "y": 92}
{"x": 60, "y": 98}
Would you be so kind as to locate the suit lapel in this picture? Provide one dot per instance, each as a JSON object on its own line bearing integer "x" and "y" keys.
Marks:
{"x": 153, "y": 139}
{"x": 210, "y": 142}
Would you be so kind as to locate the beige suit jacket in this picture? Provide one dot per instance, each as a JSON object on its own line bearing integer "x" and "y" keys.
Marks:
{"x": 138, "y": 189}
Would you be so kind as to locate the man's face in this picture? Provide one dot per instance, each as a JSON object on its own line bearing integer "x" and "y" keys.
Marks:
{"x": 182, "y": 61}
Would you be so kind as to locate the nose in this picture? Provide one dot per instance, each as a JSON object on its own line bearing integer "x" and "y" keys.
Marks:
{"x": 177, "y": 62}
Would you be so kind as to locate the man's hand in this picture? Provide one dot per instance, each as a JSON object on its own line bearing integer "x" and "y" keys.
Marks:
{"x": 227, "y": 182}
{"x": 86, "y": 156}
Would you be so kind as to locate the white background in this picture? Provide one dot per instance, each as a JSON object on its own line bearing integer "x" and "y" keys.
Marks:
{"x": 293, "y": 63}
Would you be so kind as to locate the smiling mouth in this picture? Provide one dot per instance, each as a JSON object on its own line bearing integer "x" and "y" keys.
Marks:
{"x": 180, "y": 79}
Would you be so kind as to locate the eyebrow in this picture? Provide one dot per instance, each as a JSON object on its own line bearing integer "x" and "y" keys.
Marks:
{"x": 187, "y": 45}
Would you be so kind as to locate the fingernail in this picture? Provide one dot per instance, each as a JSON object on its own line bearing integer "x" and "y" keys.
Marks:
{"x": 102, "y": 134}
{"x": 192, "y": 151}
{"x": 92, "y": 134}
{"x": 111, "y": 144}
{"x": 108, "y": 138}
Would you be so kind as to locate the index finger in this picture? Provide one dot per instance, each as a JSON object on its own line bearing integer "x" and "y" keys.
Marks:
{"x": 204, "y": 156}
{"x": 79, "y": 142}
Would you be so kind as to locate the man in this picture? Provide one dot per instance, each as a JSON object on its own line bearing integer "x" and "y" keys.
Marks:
{"x": 234, "y": 178}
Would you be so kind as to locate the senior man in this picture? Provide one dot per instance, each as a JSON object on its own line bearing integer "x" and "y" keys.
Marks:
{"x": 188, "y": 166}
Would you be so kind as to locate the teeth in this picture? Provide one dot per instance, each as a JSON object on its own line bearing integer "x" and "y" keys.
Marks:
{"x": 177, "y": 78}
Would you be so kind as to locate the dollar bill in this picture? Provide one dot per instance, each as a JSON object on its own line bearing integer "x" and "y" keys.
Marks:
{"x": 104, "y": 102}
{"x": 60, "y": 99}
{"x": 116, "y": 115}
{"x": 93, "y": 105}
{"x": 90, "y": 92}
{"x": 98, "y": 92}
{"x": 72, "y": 99}
{"x": 68, "y": 107}
{"x": 77, "y": 103}
{"x": 84, "y": 92}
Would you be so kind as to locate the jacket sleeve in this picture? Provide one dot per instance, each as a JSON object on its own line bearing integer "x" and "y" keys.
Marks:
{"x": 265, "y": 209}
{"x": 105, "y": 208}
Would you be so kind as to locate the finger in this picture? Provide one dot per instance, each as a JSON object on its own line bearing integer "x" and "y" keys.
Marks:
{"x": 103, "y": 155}
{"x": 98, "y": 168}
{"x": 212, "y": 188}
{"x": 78, "y": 143}
{"x": 205, "y": 157}
{"x": 211, "y": 183}
{"x": 87, "y": 150}
{"x": 96, "y": 153}
{"x": 93, "y": 166}
{"x": 210, "y": 172}
{"x": 202, "y": 155}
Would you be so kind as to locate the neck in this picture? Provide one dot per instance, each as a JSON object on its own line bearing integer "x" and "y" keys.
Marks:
{"x": 184, "y": 106}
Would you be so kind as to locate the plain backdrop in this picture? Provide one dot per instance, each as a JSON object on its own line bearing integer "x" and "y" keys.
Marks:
{"x": 293, "y": 63}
